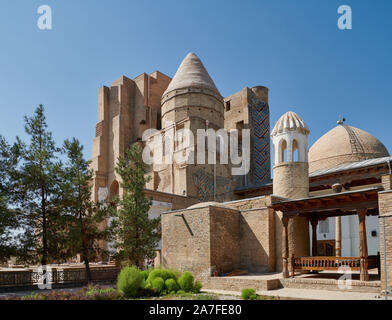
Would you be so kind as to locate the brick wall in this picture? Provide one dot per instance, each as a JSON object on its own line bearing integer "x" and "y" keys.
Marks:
{"x": 219, "y": 239}
{"x": 387, "y": 182}
{"x": 186, "y": 240}
{"x": 257, "y": 240}
{"x": 225, "y": 239}
{"x": 204, "y": 240}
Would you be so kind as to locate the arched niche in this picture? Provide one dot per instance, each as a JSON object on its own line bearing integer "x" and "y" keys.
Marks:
{"x": 113, "y": 191}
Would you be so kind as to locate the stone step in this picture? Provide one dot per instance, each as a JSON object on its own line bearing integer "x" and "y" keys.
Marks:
{"x": 331, "y": 285}
{"x": 239, "y": 283}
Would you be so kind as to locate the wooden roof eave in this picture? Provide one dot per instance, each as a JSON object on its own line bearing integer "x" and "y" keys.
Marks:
{"x": 338, "y": 204}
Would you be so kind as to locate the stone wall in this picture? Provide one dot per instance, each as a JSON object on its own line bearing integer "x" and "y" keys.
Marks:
{"x": 186, "y": 241}
{"x": 257, "y": 240}
{"x": 219, "y": 238}
{"x": 201, "y": 240}
{"x": 386, "y": 181}
{"x": 225, "y": 239}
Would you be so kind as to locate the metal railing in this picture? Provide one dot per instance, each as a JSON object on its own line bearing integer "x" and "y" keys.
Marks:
{"x": 56, "y": 275}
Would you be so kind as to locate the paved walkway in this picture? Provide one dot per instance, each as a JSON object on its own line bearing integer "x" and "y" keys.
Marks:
{"x": 308, "y": 294}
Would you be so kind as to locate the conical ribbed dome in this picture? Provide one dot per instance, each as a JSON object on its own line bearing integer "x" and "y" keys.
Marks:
{"x": 290, "y": 121}
{"x": 191, "y": 74}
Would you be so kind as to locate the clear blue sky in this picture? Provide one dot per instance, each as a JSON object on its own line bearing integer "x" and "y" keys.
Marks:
{"x": 292, "y": 47}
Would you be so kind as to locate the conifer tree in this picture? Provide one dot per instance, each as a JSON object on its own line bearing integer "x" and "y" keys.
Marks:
{"x": 83, "y": 217}
{"x": 8, "y": 217}
{"x": 36, "y": 192}
{"x": 136, "y": 233}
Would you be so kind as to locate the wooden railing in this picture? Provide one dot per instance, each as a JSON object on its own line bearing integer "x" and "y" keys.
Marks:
{"x": 56, "y": 276}
{"x": 333, "y": 263}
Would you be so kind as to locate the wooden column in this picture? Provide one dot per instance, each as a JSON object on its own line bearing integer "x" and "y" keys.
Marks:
{"x": 285, "y": 246}
{"x": 337, "y": 188}
{"x": 314, "y": 222}
{"x": 338, "y": 236}
{"x": 363, "y": 249}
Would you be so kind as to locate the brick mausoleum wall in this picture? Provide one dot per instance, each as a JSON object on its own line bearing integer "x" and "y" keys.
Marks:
{"x": 187, "y": 249}
{"x": 258, "y": 234}
{"x": 203, "y": 240}
{"x": 252, "y": 203}
{"x": 385, "y": 210}
{"x": 225, "y": 239}
{"x": 257, "y": 240}
{"x": 220, "y": 238}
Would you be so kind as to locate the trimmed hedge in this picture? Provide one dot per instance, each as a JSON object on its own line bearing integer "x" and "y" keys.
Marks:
{"x": 171, "y": 285}
{"x": 130, "y": 281}
{"x": 134, "y": 283}
{"x": 186, "y": 281}
{"x": 158, "y": 284}
{"x": 249, "y": 294}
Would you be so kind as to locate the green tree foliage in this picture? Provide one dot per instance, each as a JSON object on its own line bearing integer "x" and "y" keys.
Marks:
{"x": 8, "y": 218}
{"x": 85, "y": 220}
{"x": 136, "y": 234}
{"x": 36, "y": 192}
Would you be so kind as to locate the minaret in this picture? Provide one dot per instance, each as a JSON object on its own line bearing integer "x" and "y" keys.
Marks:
{"x": 291, "y": 173}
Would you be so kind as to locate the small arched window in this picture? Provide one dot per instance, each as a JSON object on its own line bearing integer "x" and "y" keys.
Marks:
{"x": 295, "y": 154}
{"x": 282, "y": 151}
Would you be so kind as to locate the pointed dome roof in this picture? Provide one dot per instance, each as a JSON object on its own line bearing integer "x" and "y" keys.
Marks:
{"x": 344, "y": 144}
{"x": 290, "y": 121}
{"x": 191, "y": 74}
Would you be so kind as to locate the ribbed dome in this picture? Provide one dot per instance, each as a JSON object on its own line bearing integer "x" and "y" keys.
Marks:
{"x": 290, "y": 121}
{"x": 191, "y": 74}
{"x": 344, "y": 144}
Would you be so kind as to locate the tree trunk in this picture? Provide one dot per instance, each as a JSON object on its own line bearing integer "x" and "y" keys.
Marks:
{"x": 44, "y": 231}
{"x": 88, "y": 270}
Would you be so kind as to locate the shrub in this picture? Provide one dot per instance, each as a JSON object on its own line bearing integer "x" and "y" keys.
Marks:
{"x": 144, "y": 274}
{"x": 171, "y": 285}
{"x": 162, "y": 273}
{"x": 197, "y": 287}
{"x": 158, "y": 284}
{"x": 186, "y": 281}
{"x": 180, "y": 292}
{"x": 130, "y": 281}
{"x": 248, "y": 294}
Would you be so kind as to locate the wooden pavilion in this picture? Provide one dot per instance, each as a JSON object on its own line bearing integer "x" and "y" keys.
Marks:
{"x": 362, "y": 203}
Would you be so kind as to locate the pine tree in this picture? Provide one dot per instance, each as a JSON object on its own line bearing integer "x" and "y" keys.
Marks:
{"x": 84, "y": 218}
{"x": 36, "y": 191}
{"x": 136, "y": 233}
{"x": 8, "y": 217}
